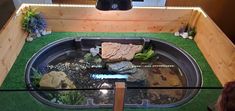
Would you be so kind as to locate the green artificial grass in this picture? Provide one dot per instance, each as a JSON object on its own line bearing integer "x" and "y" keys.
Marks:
{"x": 23, "y": 101}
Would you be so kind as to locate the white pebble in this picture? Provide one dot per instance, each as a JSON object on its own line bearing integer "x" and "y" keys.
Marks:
{"x": 81, "y": 61}
{"x": 29, "y": 39}
{"x": 44, "y": 32}
{"x": 190, "y": 37}
{"x": 48, "y": 32}
{"x": 38, "y": 35}
{"x": 184, "y": 35}
{"x": 53, "y": 100}
{"x": 177, "y": 34}
{"x": 169, "y": 99}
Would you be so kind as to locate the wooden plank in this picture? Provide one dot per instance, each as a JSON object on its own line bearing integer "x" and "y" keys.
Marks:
{"x": 209, "y": 56}
{"x": 216, "y": 37}
{"x": 12, "y": 39}
{"x": 232, "y": 65}
{"x": 89, "y": 19}
{"x": 194, "y": 18}
{"x": 217, "y": 49}
{"x": 113, "y": 26}
{"x": 90, "y": 13}
{"x": 119, "y": 96}
{"x": 11, "y": 56}
{"x": 9, "y": 33}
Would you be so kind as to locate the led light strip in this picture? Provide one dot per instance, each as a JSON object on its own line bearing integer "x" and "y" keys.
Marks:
{"x": 93, "y": 6}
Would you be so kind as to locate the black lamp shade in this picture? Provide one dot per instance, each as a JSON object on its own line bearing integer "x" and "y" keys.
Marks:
{"x": 114, "y": 4}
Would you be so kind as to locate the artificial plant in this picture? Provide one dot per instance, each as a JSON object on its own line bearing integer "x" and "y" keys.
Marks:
{"x": 33, "y": 21}
{"x": 36, "y": 77}
{"x": 145, "y": 54}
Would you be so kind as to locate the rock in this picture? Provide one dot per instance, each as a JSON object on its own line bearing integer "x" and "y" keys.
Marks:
{"x": 184, "y": 35}
{"x": 67, "y": 84}
{"x": 177, "y": 34}
{"x": 43, "y": 32}
{"x": 138, "y": 76}
{"x": 94, "y": 51}
{"x": 117, "y": 52}
{"x": 81, "y": 61}
{"x": 122, "y": 67}
{"x": 53, "y": 100}
{"x": 67, "y": 65}
{"x": 38, "y": 35}
{"x": 190, "y": 37}
{"x": 56, "y": 80}
{"x": 48, "y": 31}
{"x": 50, "y": 66}
{"x": 29, "y": 39}
{"x": 76, "y": 68}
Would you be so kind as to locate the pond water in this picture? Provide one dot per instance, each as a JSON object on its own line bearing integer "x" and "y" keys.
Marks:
{"x": 159, "y": 71}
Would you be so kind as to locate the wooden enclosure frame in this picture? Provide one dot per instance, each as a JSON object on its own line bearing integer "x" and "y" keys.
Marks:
{"x": 218, "y": 50}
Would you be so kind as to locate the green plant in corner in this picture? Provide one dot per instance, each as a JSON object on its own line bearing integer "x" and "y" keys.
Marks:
{"x": 28, "y": 14}
{"x": 33, "y": 22}
{"x": 192, "y": 31}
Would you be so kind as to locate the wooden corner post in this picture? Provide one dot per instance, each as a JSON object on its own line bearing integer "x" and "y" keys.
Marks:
{"x": 119, "y": 96}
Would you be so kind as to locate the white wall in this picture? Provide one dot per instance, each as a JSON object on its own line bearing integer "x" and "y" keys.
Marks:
{"x": 150, "y": 3}
{"x": 17, "y": 3}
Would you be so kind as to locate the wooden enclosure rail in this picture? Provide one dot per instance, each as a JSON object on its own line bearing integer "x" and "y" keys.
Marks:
{"x": 119, "y": 96}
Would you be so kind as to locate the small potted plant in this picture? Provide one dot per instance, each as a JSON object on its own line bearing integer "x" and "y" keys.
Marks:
{"x": 186, "y": 32}
{"x": 34, "y": 23}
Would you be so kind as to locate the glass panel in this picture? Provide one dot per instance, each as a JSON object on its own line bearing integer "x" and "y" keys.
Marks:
{"x": 56, "y": 100}
{"x": 139, "y": 99}
{"x": 171, "y": 99}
